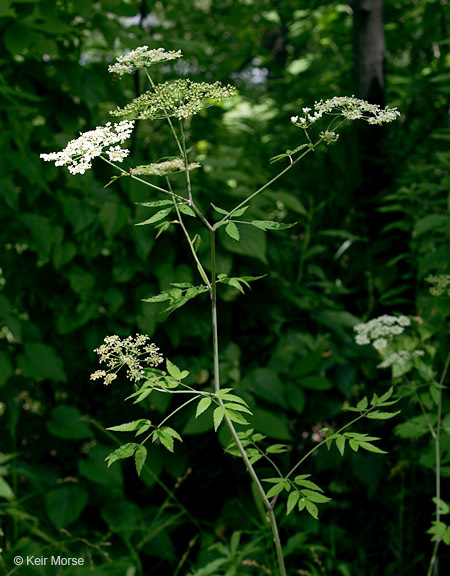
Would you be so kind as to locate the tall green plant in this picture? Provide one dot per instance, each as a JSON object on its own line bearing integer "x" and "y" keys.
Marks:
{"x": 176, "y": 102}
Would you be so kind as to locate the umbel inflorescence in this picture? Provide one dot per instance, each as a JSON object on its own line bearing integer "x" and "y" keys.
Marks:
{"x": 79, "y": 153}
{"x": 348, "y": 107}
{"x": 135, "y": 354}
{"x": 180, "y": 99}
{"x": 380, "y": 330}
{"x": 142, "y": 57}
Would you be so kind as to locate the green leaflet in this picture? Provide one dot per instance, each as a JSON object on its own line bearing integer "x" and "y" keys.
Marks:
{"x": 156, "y": 217}
{"x": 232, "y": 230}
{"x": 271, "y": 225}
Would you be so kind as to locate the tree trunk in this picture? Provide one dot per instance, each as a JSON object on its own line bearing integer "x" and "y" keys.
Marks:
{"x": 369, "y": 49}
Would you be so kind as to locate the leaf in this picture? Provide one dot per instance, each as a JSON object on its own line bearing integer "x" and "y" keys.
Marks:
{"x": 270, "y": 225}
{"x": 312, "y": 509}
{"x": 382, "y": 415}
{"x": 308, "y": 484}
{"x": 140, "y": 457}
{"x": 362, "y": 404}
{"x": 340, "y": 443}
{"x": 219, "y": 210}
{"x": 235, "y": 416}
{"x": 239, "y": 212}
{"x": 277, "y": 489}
{"x": 156, "y": 203}
{"x": 238, "y": 407}
{"x": 173, "y": 370}
{"x": 203, "y": 405}
{"x": 232, "y": 230}
{"x": 276, "y": 449}
{"x": 125, "y": 451}
{"x": 218, "y": 417}
{"x": 354, "y": 445}
{"x": 65, "y": 504}
{"x": 253, "y": 243}
{"x": 313, "y": 496}
{"x": 41, "y": 361}
{"x": 156, "y": 217}
{"x": 130, "y": 426}
{"x": 371, "y": 448}
{"x": 6, "y": 490}
{"x": 184, "y": 209}
{"x": 292, "y": 501}
{"x": 66, "y": 422}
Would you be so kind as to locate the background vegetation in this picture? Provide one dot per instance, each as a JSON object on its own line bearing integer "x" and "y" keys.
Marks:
{"x": 373, "y": 223}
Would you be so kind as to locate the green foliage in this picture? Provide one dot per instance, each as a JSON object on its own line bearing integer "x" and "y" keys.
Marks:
{"x": 74, "y": 268}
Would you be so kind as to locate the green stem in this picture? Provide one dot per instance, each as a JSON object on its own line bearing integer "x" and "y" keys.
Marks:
{"x": 274, "y": 179}
{"x": 270, "y": 513}
{"x": 325, "y": 441}
{"x": 191, "y": 246}
{"x": 437, "y": 447}
{"x": 125, "y": 173}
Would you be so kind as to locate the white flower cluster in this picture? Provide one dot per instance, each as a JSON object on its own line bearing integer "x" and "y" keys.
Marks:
{"x": 440, "y": 284}
{"x": 329, "y": 137}
{"x": 163, "y": 168}
{"x": 78, "y": 153}
{"x": 400, "y": 358}
{"x": 142, "y": 57}
{"x": 135, "y": 353}
{"x": 180, "y": 99}
{"x": 380, "y": 330}
{"x": 350, "y": 108}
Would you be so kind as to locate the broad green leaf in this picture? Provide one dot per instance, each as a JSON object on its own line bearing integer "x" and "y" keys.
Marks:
{"x": 6, "y": 490}
{"x": 232, "y": 230}
{"x": 218, "y": 415}
{"x": 156, "y": 217}
{"x": 444, "y": 508}
{"x": 130, "y": 426}
{"x": 292, "y": 501}
{"x": 253, "y": 243}
{"x": 315, "y": 383}
{"x": 66, "y": 422}
{"x": 6, "y": 368}
{"x": 203, "y": 405}
{"x": 125, "y": 451}
{"x": 65, "y": 504}
{"x": 139, "y": 457}
{"x": 270, "y": 225}
{"x": 41, "y": 361}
